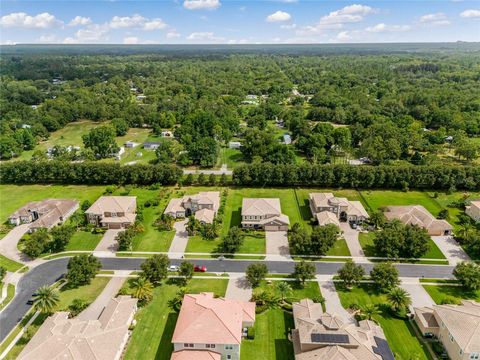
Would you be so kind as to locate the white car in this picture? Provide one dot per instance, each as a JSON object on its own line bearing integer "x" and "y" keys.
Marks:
{"x": 173, "y": 268}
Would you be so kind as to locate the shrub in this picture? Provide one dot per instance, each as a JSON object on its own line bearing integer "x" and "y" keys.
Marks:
{"x": 251, "y": 333}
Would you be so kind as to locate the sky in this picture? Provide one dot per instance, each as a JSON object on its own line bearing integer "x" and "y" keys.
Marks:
{"x": 237, "y": 22}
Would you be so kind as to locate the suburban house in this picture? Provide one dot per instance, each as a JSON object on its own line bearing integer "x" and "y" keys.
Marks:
{"x": 151, "y": 145}
{"x": 264, "y": 213}
{"x": 44, "y": 214}
{"x": 473, "y": 210}
{"x": 234, "y": 144}
{"x": 418, "y": 215}
{"x": 113, "y": 212}
{"x": 319, "y": 335}
{"x": 457, "y": 327}
{"x": 210, "y": 327}
{"x": 329, "y": 209}
{"x": 203, "y": 206}
{"x": 103, "y": 339}
{"x": 167, "y": 133}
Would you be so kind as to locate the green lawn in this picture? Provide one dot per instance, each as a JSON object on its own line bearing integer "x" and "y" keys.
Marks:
{"x": 271, "y": 337}
{"x": 399, "y": 332}
{"x": 253, "y": 243}
{"x": 339, "y": 248}
{"x": 152, "y": 336}
{"x": 8, "y": 264}
{"x": 199, "y": 245}
{"x": 441, "y": 292}
{"x": 232, "y": 157}
{"x": 366, "y": 242}
{"x": 139, "y": 136}
{"x": 311, "y": 290}
{"x": 377, "y": 199}
{"x": 83, "y": 240}
{"x": 10, "y": 294}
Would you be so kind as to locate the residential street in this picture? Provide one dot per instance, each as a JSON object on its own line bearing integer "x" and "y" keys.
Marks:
{"x": 48, "y": 273}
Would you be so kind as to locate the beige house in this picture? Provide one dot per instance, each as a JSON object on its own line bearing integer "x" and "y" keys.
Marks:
{"x": 264, "y": 213}
{"x": 473, "y": 210}
{"x": 329, "y": 209}
{"x": 211, "y": 328}
{"x": 103, "y": 339}
{"x": 323, "y": 336}
{"x": 203, "y": 206}
{"x": 44, "y": 214}
{"x": 457, "y": 327}
{"x": 418, "y": 215}
{"x": 113, "y": 212}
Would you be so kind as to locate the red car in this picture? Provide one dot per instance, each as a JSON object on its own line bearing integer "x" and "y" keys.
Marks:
{"x": 200, "y": 268}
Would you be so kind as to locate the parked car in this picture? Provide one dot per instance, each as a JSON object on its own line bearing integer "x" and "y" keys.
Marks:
{"x": 173, "y": 268}
{"x": 200, "y": 268}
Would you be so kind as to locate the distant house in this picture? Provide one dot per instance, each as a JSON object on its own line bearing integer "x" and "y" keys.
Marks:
{"x": 473, "y": 210}
{"x": 251, "y": 97}
{"x": 151, "y": 145}
{"x": 287, "y": 140}
{"x": 113, "y": 212}
{"x": 418, "y": 215}
{"x": 104, "y": 338}
{"x": 457, "y": 327}
{"x": 26, "y": 126}
{"x": 141, "y": 97}
{"x": 203, "y": 206}
{"x": 234, "y": 144}
{"x": 44, "y": 214}
{"x": 329, "y": 209}
{"x": 167, "y": 133}
{"x": 119, "y": 154}
{"x": 264, "y": 213}
{"x": 34, "y": 107}
{"x": 324, "y": 336}
{"x": 130, "y": 144}
{"x": 211, "y": 328}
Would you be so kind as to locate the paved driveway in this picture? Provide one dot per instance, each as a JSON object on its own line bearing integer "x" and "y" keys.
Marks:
{"x": 451, "y": 249}
{"x": 419, "y": 296}
{"x": 94, "y": 310}
{"x": 180, "y": 240}
{"x": 351, "y": 237}
{"x": 277, "y": 245}
{"x": 332, "y": 301}
{"x": 238, "y": 287}
{"x": 8, "y": 245}
{"x": 108, "y": 244}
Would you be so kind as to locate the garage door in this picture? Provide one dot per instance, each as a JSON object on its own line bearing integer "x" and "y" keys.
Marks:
{"x": 115, "y": 226}
{"x": 272, "y": 228}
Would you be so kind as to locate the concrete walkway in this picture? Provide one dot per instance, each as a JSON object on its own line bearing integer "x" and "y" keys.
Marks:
{"x": 180, "y": 240}
{"x": 8, "y": 245}
{"x": 94, "y": 310}
{"x": 451, "y": 249}
{"x": 419, "y": 296}
{"x": 238, "y": 287}
{"x": 351, "y": 238}
{"x": 277, "y": 246}
{"x": 108, "y": 244}
{"x": 332, "y": 301}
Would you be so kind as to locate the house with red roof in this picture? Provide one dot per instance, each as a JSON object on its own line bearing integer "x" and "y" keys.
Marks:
{"x": 211, "y": 328}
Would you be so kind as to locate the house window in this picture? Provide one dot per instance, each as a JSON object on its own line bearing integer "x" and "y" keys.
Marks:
{"x": 474, "y": 356}
{"x": 188, "y": 345}
{"x": 210, "y": 346}
{"x": 113, "y": 214}
{"x": 228, "y": 347}
{"x": 450, "y": 337}
{"x": 229, "y": 357}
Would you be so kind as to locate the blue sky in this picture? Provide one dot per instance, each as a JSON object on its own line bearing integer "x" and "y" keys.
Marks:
{"x": 237, "y": 22}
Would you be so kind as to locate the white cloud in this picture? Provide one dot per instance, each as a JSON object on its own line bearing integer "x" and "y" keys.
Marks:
{"x": 23, "y": 20}
{"x": 80, "y": 20}
{"x": 137, "y": 21}
{"x": 49, "y": 39}
{"x": 289, "y": 26}
{"x": 337, "y": 19}
{"x": 172, "y": 35}
{"x": 240, "y": 41}
{"x": 343, "y": 36}
{"x": 382, "y": 27}
{"x": 130, "y": 40}
{"x": 204, "y": 36}
{"x": 201, "y": 4}
{"x": 278, "y": 16}
{"x": 93, "y": 33}
{"x": 471, "y": 13}
{"x": 435, "y": 19}
{"x": 8, "y": 42}
{"x": 154, "y": 24}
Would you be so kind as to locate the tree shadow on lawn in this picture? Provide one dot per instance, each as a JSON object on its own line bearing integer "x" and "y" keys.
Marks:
{"x": 165, "y": 348}
{"x": 305, "y": 212}
{"x": 236, "y": 218}
{"x": 284, "y": 347}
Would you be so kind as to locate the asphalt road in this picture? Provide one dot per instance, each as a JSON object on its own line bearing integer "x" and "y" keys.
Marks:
{"x": 49, "y": 272}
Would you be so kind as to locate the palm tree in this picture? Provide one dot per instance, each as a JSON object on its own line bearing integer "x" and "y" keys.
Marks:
{"x": 191, "y": 226}
{"x": 47, "y": 299}
{"x": 464, "y": 231}
{"x": 399, "y": 299}
{"x": 142, "y": 289}
{"x": 284, "y": 289}
{"x": 369, "y": 311}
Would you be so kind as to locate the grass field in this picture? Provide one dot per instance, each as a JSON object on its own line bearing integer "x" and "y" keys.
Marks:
{"x": 311, "y": 290}
{"x": 339, "y": 248}
{"x": 83, "y": 240}
{"x": 8, "y": 264}
{"x": 271, "y": 337}
{"x": 232, "y": 157}
{"x": 399, "y": 332}
{"x": 152, "y": 336}
{"x": 10, "y": 294}
{"x": 442, "y": 292}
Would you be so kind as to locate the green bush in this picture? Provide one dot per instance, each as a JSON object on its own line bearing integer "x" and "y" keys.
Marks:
{"x": 251, "y": 333}
{"x": 287, "y": 306}
{"x": 260, "y": 309}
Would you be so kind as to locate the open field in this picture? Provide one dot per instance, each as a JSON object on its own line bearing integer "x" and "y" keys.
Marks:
{"x": 232, "y": 157}
{"x": 399, "y": 332}
{"x": 151, "y": 338}
{"x": 439, "y": 293}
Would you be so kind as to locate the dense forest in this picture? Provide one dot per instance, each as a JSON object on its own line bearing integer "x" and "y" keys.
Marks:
{"x": 383, "y": 105}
